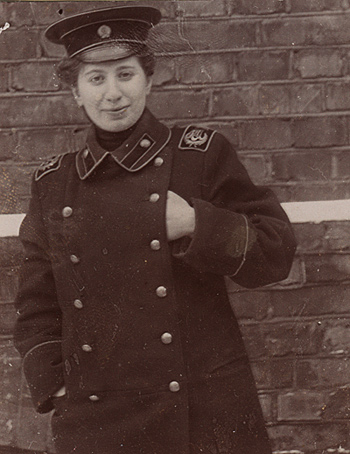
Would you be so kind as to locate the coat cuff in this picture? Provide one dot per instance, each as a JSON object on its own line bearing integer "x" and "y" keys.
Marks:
{"x": 220, "y": 242}
{"x": 42, "y": 366}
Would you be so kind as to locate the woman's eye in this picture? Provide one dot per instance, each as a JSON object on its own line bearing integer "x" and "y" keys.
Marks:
{"x": 125, "y": 75}
{"x": 96, "y": 79}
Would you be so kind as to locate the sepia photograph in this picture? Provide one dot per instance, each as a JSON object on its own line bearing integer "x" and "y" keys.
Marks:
{"x": 175, "y": 227}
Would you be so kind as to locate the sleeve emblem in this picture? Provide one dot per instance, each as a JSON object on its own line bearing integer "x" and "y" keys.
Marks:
{"x": 48, "y": 166}
{"x": 195, "y": 138}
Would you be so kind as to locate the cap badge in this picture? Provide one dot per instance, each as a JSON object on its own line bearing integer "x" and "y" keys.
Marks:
{"x": 104, "y": 31}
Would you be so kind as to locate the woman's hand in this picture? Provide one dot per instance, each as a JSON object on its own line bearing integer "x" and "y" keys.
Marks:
{"x": 180, "y": 217}
{"x": 61, "y": 392}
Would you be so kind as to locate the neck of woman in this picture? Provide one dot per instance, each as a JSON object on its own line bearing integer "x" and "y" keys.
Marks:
{"x": 112, "y": 140}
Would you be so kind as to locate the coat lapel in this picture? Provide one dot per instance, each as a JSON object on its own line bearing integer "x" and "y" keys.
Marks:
{"x": 144, "y": 144}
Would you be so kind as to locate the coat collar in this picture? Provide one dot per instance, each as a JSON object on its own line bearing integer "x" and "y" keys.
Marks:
{"x": 145, "y": 142}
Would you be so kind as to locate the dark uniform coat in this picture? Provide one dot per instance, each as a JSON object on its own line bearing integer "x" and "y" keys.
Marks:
{"x": 138, "y": 329}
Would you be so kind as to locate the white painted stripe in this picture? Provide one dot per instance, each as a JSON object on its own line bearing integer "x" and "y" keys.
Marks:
{"x": 9, "y": 224}
{"x": 298, "y": 212}
{"x": 318, "y": 211}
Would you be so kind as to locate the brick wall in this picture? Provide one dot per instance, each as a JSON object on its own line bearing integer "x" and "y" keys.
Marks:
{"x": 272, "y": 75}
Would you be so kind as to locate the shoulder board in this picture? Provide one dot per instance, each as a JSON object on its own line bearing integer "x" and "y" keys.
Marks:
{"x": 49, "y": 166}
{"x": 195, "y": 138}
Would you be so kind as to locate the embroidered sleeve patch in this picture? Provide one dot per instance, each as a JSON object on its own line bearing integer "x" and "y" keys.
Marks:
{"x": 48, "y": 166}
{"x": 195, "y": 138}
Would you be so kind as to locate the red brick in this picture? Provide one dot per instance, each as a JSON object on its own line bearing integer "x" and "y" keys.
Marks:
{"x": 266, "y": 134}
{"x": 230, "y": 131}
{"x": 307, "y": 374}
{"x": 337, "y": 338}
{"x": 338, "y": 405}
{"x": 8, "y": 284}
{"x": 319, "y": 132}
{"x": 10, "y": 373}
{"x": 19, "y": 44}
{"x": 14, "y": 182}
{"x": 32, "y": 429}
{"x": 327, "y": 268}
{"x": 41, "y": 144}
{"x": 343, "y": 165}
{"x": 319, "y": 30}
{"x": 4, "y": 78}
{"x": 11, "y": 252}
{"x": 302, "y": 166}
{"x": 337, "y": 236}
{"x": 219, "y": 34}
{"x": 310, "y": 237}
{"x": 254, "y": 341}
{"x": 179, "y": 104}
{"x": 310, "y": 438}
{"x": 200, "y": 8}
{"x": 8, "y": 412}
{"x": 34, "y": 77}
{"x": 300, "y": 338}
{"x": 274, "y": 99}
{"x": 267, "y": 406}
{"x": 334, "y": 372}
{"x": 165, "y": 72}
{"x": 249, "y": 305}
{"x": 257, "y": 168}
{"x": 7, "y": 319}
{"x": 237, "y": 101}
{"x": 318, "y": 63}
{"x": 310, "y": 301}
{"x": 36, "y": 110}
{"x": 7, "y": 145}
{"x": 300, "y": 406}
{"x": 295, "y": 278}
{"x": 316, "y": 5}
{"x": 253, "y": 7}
{"x": 306, "y": 192}
{"x": 204, "y": 69}
{"x": 275, "y": 374}
{"x": 263, "y": 65}
{"x": 338, "y": 96}
{"x": 306, "y": 98}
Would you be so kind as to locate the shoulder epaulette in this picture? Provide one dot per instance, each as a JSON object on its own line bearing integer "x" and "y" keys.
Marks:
{"x": 195, "y": 138}
{"x": 51, "y": 165}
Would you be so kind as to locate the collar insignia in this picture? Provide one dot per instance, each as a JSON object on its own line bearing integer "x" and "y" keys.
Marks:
{"x": 195, "y": 138}
{"x": 49, "y": 166}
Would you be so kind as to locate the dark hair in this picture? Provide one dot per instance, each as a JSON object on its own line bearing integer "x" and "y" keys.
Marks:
{"x": 68, "y": 68}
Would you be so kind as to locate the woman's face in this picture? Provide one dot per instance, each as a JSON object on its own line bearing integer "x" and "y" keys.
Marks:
{"x": 113, "y": 93}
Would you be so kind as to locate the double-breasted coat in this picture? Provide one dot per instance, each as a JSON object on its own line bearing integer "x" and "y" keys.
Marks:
{"x": 140, "y": 330}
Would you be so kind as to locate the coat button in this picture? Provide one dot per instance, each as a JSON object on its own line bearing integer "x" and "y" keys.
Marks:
{"x": 145, "y": 143}
{"x": 85, "y": 154}
{"x": 154, "y": 197}
{"x": 94, "y": 398}
{"x": 174, "y": 386}
{"x": 161, "y": 292}
{"x": 86, "y": 348}
{"x": 78, "y": 304}
{"x": 158, "y": 161}
{"x": 166, "y": 338}
{"x": 67, "y": 211}
{"x": 155, "y": 245}
{"x": 74, "y": 259}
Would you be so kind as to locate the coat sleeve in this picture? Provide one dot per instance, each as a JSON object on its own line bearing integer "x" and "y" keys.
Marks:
{"x": 37, "y": 333}
{"x": 241, "y": 229}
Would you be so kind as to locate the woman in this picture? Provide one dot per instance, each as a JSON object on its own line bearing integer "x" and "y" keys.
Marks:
{"x": 124, "y": 322}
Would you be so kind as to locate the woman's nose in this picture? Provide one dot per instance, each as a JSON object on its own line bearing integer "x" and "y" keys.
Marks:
{"x": 113, "y": 91}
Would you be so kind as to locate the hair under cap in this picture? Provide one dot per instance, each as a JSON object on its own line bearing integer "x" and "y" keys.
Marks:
{"x": 99, "y": 35}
